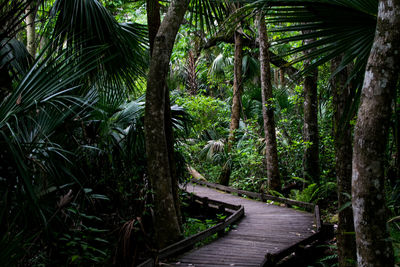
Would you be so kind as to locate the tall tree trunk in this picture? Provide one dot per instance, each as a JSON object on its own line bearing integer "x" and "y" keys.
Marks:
{"x": 374, "y": 247}
{"x": 346, "y": 242}
{"x": 31, "y": 44}
{"x": 310, "y": 128}
{"x": 167, "y": 228}
{"x": 236, "y": 104}
{"x": 282, "y": 76}
{"x": 237, "y": 88}
{"x": 153, "y": 20}
{"x": 191, "y": 66}
{"x": 169, "y": 133}
{"x": 274, "y": 182}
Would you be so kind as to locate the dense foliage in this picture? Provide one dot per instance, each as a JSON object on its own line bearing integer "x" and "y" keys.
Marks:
{"x": 73, "y": 176}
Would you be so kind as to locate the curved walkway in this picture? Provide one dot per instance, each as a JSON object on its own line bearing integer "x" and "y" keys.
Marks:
{"x": 266, "y": 228}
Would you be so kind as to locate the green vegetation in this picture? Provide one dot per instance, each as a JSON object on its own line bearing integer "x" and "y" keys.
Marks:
{"x": 76, "y": 184}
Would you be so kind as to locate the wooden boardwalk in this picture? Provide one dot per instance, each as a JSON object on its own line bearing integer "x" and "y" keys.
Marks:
{"x": 266, "y": 228}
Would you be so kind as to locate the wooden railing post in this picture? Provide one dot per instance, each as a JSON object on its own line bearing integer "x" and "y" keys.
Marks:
{"x": 221, "y": 210}
{"x": 205, "y": 205}
{"x": 317, "y": 218}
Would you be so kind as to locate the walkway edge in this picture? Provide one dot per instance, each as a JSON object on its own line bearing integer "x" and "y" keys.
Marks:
{"x": 324, "y": 231}
{"x": 180, "y": 246}
{"x": 310, "y": 207}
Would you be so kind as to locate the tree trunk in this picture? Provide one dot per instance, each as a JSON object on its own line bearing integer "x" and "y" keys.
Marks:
{"x": 236, "y": 105}
{"x": 169, "y": 133}
{"x": 191, "y": 66}
{"x": 225, "y": 175}
{"x": 237, "y": 88}
{"x": 374, "y": 247}
{"x": 153, "y": 20}
{"x": 343, "y": 151}
{"x": 167, "y": 229}
{"x": 282, "y": 76}
{"x": 274, "y": 182}
{"x": 31, "y": 44}
{"x": 310, "y": 128}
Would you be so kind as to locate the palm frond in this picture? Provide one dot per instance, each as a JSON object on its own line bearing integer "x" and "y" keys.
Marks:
{"x": 208, "y": 14}
{"x": 219, "y": 64}
{"x": 213, "y": 150}
{"x": 250, "y": 68}
{"x": 339, "y": 27}
{"x": 80, "y": 23}
{"x": 12, "y": 14}
{"x": 50, "y": 77}
{"x": 14, "y": 57}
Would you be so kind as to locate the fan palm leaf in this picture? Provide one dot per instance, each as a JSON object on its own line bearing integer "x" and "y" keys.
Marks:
{"x": 208, "y": 14}
{"x": 340, "y": 27}
{"x": 44, "y": 98}
{"x": 81, "y": 23}
{"x": 219, "y": 64}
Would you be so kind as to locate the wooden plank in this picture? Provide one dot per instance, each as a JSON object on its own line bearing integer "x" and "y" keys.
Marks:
{"x": 190, "y": 241}
{"x": 272, "y": 258}
{"x": 221, "y": 257}
{"x": 148, "y": 263}
{"x": 216, "y": 202}
{"x": 262, "y": 197}
{"x": 241, "y": 263}
{"x": 267, "y": 233}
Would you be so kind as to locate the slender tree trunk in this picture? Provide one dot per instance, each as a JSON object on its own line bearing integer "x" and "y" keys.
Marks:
{"x": 374, "y": 247}
{"x": 153, "y": 20}
{"x": 282, "y": 76}
{"x": 274, "y": 182}
{"x": 237, "y": 88}
{"x": 225, "y": 175}
{"x": 346, "y": 242}
{"x": 169, "y": 133}
{"x": 191, "y": 66}
{"x": 167, "y": 229}
{"x": 31, "y": 44}
{"x": 236, "y": 104}
{"x": 310, "y": 128}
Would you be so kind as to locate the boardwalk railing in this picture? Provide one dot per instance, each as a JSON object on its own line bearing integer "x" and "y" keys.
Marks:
{"x": 236, "y": 212}
{"x": 310, "y": 207}
{"x": 322, "y": 231}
